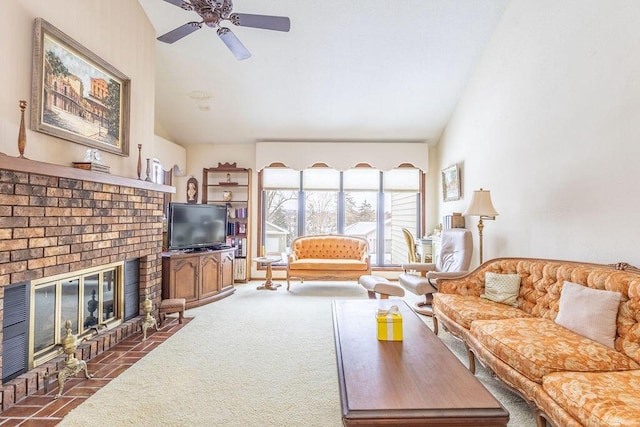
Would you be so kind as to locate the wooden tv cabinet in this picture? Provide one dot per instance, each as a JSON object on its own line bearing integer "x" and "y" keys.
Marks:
{"x": 198, "y": 277}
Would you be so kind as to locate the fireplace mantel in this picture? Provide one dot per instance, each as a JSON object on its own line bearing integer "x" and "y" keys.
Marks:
{"x": 49, "y": 169}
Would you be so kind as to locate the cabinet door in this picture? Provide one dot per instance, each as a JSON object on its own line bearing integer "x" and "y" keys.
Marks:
{"x": 209, "y": 280}
{"x": 227, "y": 269}
{"x": 184, "y": 278}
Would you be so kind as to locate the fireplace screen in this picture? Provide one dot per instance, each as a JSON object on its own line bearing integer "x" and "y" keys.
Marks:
{"x": 91, "y": 300}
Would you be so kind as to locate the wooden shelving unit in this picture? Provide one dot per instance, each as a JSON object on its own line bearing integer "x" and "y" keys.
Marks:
{"x": 231, "y": 185}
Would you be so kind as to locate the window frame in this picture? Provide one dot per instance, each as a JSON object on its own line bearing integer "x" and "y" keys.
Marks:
{"x": 380, "y": 208}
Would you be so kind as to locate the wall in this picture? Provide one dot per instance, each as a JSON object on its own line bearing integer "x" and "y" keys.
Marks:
{"x": 171, "y": 154}
{"x": 118, "y": 31}
{"x": 549, "y": 124}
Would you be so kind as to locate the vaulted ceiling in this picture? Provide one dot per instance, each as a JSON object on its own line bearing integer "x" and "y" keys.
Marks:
{"x": 347, "y": 70}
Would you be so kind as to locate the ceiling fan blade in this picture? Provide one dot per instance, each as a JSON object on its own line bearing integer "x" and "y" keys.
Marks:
{"x": 181, "y": 4}
{"x": 267, "y": 22}
{"x": 178, "y": 3}
{"x": 235, "y": 46}
{"x": 180, "y": 32}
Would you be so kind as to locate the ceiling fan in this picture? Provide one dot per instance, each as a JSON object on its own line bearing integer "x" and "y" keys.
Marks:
{"x": 213, "y": 12}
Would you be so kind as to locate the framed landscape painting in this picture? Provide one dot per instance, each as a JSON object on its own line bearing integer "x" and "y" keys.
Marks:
{"x": 76, "y": 95}
{"x": 451, "y": 189}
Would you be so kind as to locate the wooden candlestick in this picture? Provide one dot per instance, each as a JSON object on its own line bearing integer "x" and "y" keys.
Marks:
{"x": 22, "y": 134}
{"x": 139, "y": 160}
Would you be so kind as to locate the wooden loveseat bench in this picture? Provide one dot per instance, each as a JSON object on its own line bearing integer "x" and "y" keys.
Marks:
{"x": 569, "y": 344}
{"x": 328, "y": 257}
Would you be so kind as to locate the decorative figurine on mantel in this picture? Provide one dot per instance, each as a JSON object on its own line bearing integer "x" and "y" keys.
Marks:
{"x": 92, "y": 161}
{"x": 148, "y": 178}
{"x": 92, "y": 155}
{"x": 72, "y": 365}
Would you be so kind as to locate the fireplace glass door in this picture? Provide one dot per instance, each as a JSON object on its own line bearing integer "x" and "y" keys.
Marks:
{"x": 69, "y": 302}
{"x": 90, "y": 300}
{"x": 45, "y": 302}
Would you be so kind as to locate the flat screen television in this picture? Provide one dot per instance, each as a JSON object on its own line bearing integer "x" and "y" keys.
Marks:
{"x": 196, "y": 226}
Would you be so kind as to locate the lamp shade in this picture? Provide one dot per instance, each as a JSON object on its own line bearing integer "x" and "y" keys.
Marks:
{"x": 481, "y": 204}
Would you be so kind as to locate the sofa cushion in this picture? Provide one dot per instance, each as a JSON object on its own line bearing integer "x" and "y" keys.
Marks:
{"x": 502, "y": 288}
{"x": 589, "y": 312}
{"x": 465, "y": 309}
{"x": 597, "y": 398}
{"x": 328, "y": 264}
{"x": 536, "y": 347}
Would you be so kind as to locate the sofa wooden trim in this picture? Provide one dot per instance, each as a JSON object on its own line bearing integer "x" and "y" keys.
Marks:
{"x": 546, "y": 407}
{"x": 331, "y": 245}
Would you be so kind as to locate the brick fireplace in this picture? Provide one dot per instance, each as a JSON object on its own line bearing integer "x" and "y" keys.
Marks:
{"x": 56, "y": 219}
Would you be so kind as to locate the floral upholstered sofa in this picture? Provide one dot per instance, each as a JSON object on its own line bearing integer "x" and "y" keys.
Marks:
{"x": 328, "y": 257}
{"x": 569, "y": 378}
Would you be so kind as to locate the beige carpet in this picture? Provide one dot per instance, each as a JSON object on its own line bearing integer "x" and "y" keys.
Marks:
{"x": 257, "y": 358}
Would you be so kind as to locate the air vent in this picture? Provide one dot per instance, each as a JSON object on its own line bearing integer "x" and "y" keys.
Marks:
{"x": 15, "y": 329}
{"x": 131, "y": 288}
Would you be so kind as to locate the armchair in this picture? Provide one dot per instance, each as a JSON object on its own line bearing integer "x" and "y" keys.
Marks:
{"x": 454, "y": 261}
{"x": 412, "y": 253}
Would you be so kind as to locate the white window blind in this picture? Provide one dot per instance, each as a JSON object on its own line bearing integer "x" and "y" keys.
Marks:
{"x": 280, "y": 178}
{"x": 361, "y": 179}
{"x": 321, "y": 179}
{"x": 402, "y": 179}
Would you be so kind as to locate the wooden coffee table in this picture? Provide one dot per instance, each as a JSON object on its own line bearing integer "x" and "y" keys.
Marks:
{"x": 417, "y": 381}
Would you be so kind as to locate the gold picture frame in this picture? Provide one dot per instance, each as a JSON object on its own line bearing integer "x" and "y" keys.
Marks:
{"x": 76, "y": 95}
{"x": 451, "y": 188}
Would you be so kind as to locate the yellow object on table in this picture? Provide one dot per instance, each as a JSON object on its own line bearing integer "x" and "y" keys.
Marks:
{"x": 389, "y": 324}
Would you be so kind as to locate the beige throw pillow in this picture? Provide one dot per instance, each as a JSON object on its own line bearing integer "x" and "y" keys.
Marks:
{"x": 591, "y": 313}
{"x": 502, "y": 288}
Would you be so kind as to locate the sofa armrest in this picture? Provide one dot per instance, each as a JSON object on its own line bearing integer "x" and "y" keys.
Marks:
{"x": 291, "y": 258}
{"x": 471, "y": 283}
{"x": 366, "y": 259}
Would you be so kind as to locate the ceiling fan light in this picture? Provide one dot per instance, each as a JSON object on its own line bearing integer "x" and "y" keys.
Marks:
{"x": 233, "y": 43}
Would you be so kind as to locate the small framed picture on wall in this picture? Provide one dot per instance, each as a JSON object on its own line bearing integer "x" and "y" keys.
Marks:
{"x": 451, "y": 189}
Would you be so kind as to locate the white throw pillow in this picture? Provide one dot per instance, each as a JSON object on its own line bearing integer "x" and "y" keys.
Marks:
{"x": 591, "y": 313}
{"x": 502, "y": 288}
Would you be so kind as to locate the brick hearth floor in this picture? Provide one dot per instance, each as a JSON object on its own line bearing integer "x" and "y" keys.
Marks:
{"x": 42, "y": 410}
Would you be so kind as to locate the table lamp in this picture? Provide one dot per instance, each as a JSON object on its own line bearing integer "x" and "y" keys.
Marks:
{"x": 482, "y": 207}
